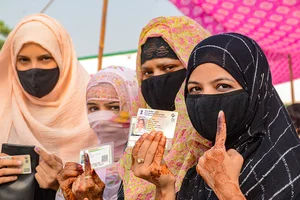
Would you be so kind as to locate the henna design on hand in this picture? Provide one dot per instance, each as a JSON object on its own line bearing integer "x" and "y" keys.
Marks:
{"x": 220, "y": 168}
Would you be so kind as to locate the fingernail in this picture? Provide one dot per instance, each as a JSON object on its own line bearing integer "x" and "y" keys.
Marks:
{"x": 15, "y": 177}
{"x": 20, "y": 170}
{"x": 19, "y": 162}
{"x": 219, "y": 115}
{"x": 37, "y": 149}
{"x": 86, "y": 157}
{"x": 153, "y": 133}
{"x": 80, "y": 167}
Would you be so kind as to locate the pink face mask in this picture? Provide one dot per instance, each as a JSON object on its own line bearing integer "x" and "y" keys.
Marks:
{"x": 108, "y": 130}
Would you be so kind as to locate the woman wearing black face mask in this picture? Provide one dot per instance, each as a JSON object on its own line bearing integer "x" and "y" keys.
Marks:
{"x": 42, "y": 98}
{"x": 256, "y": 148}
{"x": 164, "y": 46}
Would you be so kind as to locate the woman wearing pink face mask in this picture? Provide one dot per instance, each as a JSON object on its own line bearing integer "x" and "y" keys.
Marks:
{"x": 112, "y": 98}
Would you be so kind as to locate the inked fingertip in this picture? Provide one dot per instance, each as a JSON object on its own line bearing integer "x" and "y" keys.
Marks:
{"x": 37, "y": 149}
{"x": 220, "y": 113}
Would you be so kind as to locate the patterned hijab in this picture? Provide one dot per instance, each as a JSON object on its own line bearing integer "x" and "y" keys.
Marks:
{"x": 267, "y": 140}
{"x": 116, "y": 83}
{"x": 182, "y": 34}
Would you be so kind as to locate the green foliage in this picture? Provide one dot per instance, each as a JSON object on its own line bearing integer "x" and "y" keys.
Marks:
{"x": 4, "y": 31}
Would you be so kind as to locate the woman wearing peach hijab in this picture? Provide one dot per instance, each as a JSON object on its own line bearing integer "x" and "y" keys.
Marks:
{"x": 43, "y": 103}
{"x": 164, "y": 47}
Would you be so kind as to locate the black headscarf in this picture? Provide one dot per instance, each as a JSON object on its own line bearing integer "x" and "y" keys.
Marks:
{"x": 156, "y": 47}
{"x": 267, "y": 141}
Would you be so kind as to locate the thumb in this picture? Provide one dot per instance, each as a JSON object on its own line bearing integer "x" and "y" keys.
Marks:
{"x": 232, "y": 152}
{"x": 234, "y": 155}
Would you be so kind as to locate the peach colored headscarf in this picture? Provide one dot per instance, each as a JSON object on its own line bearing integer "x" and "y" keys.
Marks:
{"x": 58, "y": 121}
{"x": 182, "y": 34}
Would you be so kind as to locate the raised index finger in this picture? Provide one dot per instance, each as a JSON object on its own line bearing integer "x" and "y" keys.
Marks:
{"x": 87, "y": 165}
{"x": 46, "y": 157}
{"x": 221, "y": 131}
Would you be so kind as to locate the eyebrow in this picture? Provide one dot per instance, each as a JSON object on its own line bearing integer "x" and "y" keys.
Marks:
{"x": 193, "y": 82}
{"x": 91, "y": 104}
{"x": 214, "y": 81}
{"x": 161, "y": 64}
{"x": 41, "y": 56}
{"x": 222, "y": 79}
{"x": 145, "y": 68}
{"x": 112, "y": 102}
{"x": 45, "y": 55}
{"x": 21, "y": 56}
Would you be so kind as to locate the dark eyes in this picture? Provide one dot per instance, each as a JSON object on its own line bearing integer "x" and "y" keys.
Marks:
{"x": 165, "y": 69}
{"x": 224, "y": 87}
{"x": 43, "y": 58}
{"x": 218, "y": 88}
{"x": 93, "y": 109}
{"x": 194, "y": 89}
{"x": 46, "y": 58}
{"x": 147, "y": 73}
{"x": 115, "y": 108}
{"x": 23, "y": 60}
{"x": 168, "y": 68}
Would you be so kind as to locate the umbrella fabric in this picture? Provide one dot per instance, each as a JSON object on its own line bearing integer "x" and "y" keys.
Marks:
{"x": 275, "y": 25}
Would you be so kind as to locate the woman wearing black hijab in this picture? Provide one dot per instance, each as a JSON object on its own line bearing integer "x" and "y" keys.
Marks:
{"x": 255, "y": 153}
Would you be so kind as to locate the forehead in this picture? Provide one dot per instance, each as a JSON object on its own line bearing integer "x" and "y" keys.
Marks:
{"x": 32, "y": 48}
{"x": 209, "y": 71}
{"x": 160, "y": 62}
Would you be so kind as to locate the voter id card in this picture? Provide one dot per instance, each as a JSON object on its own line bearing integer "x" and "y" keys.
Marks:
{"x": 148, "y": 120}
{"x": 26, "y": 162}
{"x": 100, "y": 156}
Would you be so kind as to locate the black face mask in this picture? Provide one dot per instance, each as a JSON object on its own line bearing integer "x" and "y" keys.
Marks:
{"x": 38, "y": 82}
{"x": 160, "y": 91}
{"x": 203, "y": 112}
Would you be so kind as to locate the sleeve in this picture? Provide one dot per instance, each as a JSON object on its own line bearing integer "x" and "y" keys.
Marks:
{"x": 59, "y": 195}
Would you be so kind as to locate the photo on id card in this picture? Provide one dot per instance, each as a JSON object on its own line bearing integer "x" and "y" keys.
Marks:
{"x": 148, "y": 120}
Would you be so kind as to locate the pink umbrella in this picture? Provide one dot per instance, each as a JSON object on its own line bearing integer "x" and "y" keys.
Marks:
{"x": 274, "y": 24}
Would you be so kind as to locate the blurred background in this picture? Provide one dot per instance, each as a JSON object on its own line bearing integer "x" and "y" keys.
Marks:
{"x": 125, "y": 19}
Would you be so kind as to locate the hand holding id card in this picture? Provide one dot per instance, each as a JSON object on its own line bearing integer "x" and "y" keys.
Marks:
{"x": 25, "y": 159}
{"x": 100, "y": 156}
{"x": 148, "y": 120}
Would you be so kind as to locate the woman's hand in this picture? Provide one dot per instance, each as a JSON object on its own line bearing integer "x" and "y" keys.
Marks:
{"x": 88, "y": 185}
{"x": 220, "y": 168}
{"x": 147, "y": 163}
{"x": 67, "y": 177}
{"x": 9, "y": 169}
{"x": 48, "y": 169}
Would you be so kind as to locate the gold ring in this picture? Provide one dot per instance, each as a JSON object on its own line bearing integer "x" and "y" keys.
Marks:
{"x": 140, "y": 160}
{"x": 86, "y": 177}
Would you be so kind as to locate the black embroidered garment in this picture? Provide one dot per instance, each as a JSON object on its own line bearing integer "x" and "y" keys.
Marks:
{"x": 266, "y": 137}
{"x": 156, "y": 47}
